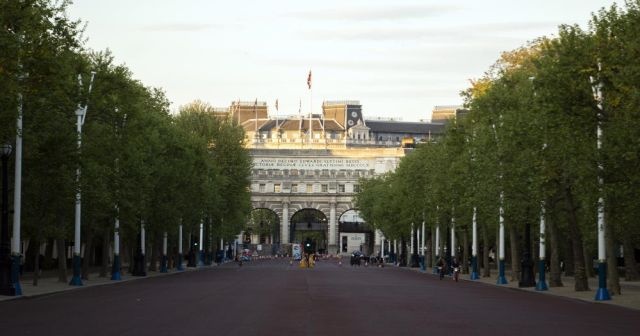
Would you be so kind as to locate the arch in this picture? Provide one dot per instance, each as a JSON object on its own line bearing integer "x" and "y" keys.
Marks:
{"x": 354, "y": 233}
{"x": 309, "y": 224}
{"x": 263, "y": 227}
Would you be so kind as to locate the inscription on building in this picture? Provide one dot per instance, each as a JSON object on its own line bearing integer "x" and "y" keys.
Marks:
{"x": 312, "y": 163}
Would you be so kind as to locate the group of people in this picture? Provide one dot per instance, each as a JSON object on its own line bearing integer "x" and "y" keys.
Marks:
{"x": 308, "y": 260}
{"x": 443, "y": 267}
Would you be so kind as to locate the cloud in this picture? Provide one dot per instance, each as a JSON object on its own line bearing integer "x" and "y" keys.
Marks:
{"x": 457, "y": 34}
{"x": 179, "y": 27}
{"x": 375, "y": 14}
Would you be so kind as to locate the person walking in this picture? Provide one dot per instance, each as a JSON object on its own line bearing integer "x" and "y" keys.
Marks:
{"x": 442, "y": 267}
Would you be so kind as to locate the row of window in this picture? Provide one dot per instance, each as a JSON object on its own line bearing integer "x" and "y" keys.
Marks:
{"x": 321, "y": 173}
{"x": 302, "y": 188}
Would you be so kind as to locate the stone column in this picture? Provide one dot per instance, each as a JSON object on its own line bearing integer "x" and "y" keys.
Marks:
{"x": 284, "y": 223}
{"x": 333, "y": 229}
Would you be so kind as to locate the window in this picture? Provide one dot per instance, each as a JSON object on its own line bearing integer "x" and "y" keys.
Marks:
{"x": 262, "y": 187}
{"x": 341, "y": 188}
{"x": 276, "y": 187}
{"x": 309, "y": 188}
{"x": 294, "y": 187}
{"x": 356, "y": 188}
{"x": 325, "y": 188}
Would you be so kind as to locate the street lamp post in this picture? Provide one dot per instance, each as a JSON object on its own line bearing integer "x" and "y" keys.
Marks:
{"x": 474, "y": 247}
{"x": 437, "y": 247}
{"x": 163, "y": 267}
{"x": 16, "y": 253}
{"x": 180, "y": 257}
{"x": 6, "y": 285}
{"x": 502, "y": 280}
{"x": 602, "y": 294}
{"x": 542, "y": 283}
{"x": 81, "y": 113}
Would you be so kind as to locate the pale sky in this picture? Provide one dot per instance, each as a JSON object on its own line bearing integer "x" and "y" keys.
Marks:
{"x": 398, "y": 58}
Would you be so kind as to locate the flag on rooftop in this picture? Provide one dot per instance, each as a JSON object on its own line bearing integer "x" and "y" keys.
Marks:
{"x": 309, "y": 80}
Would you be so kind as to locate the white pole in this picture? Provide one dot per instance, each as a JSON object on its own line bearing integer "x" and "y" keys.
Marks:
{"x": 437, "y": 240}
{"x": 411, "y": 245}
{"x": 542, "y": 239}
{"x": 17, "y": 191}
{"x": 474, "y": 243}
{"x": 201, "y": 236}
{"x": 501, "y": 231}
{"x": 601, "y": 220}
{"x": 76, "y": 244}
{"x": 418, "y": 240}
{"x": 423, "y": 240}
{"x": 180, "y": 239}
{"x": 395, "y": 246}
{"x": 164, "y": 244}
{"x": 142, "y": 238}
{"x": 453, "y": 236}
{"x": 116, "y": 233}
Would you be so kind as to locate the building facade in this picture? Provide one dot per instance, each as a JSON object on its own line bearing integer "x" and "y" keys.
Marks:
{"x": 307, "y": 170}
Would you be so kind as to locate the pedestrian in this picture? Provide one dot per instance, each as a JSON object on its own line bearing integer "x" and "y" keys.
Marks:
{"x": 442, "y": 265}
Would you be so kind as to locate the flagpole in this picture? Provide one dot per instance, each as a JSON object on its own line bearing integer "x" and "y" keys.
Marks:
{"x": 310, "y": 106}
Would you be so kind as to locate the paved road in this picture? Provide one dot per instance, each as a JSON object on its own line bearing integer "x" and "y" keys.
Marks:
{"x": 272, "y": 298}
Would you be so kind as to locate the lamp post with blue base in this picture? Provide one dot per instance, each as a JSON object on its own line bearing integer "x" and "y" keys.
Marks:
{"x": 541, "y": 285}
{"x": 602, "y": 294}
{"x": 474, "y": 247}
{"x": 81, "y": 113}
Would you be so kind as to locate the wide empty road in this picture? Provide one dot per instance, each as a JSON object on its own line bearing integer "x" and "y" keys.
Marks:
{"x": 272, "y": 298}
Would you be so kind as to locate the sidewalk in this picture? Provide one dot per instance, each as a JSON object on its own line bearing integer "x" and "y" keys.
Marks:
{"x": 630, "y": 297}
{"x": 49, "y": 284}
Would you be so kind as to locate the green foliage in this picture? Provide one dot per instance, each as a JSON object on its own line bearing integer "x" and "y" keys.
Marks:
{"x": 531, "y": 135}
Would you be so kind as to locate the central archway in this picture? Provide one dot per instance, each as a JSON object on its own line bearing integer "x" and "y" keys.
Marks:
{"x": 310, "y": 225}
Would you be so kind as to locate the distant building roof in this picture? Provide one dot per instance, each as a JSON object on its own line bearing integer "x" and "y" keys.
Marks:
{"x": 379, "y": 126}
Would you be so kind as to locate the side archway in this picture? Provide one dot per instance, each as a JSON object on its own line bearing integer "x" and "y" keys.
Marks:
{"x": 355, "y": 234}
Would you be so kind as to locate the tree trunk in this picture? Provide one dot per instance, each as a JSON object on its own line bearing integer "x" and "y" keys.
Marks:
{"x": 515, "y": 253}
{"x": 486, "y": 270}
{"x": 613, "y": 278}
{"x": 465, "y": 252}
{"x": 86, "y": 260}
{"x": 36, "y": 263}
{"x": 429, "y": 254}
{"x": 403, "y": 253}
{"x": 630, "y": 265}
{"x": 569, "y": 269}
{"x": 581, "y": 282}
{"x": 104, "y": 264}
{"x": 433, "y": 246}
{"x": 555, "y": 274}
{"x": 62, "y": 260}
{"x": 154, "y": 253}
{"x": 588, "y": 261}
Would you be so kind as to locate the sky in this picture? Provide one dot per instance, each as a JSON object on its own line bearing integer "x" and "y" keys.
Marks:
{"x": 398, "y": 58}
